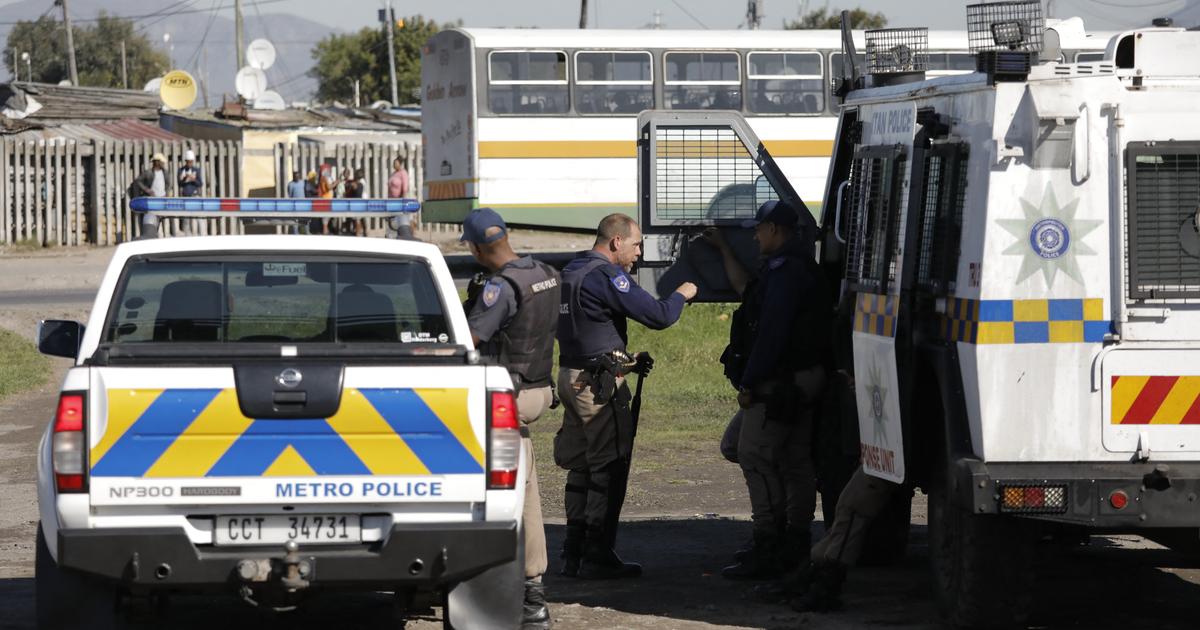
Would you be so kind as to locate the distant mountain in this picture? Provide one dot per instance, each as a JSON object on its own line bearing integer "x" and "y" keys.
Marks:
{"x": 294, "y": 37}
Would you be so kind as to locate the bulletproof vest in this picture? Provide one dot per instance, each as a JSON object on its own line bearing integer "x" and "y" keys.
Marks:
{"x": 579, "y": 336}
{"x": 808, "y": 340}
{"x": 526, "y": 345}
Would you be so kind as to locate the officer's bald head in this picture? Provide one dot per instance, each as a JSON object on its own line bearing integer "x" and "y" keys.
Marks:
{"x": 613, "y": 226}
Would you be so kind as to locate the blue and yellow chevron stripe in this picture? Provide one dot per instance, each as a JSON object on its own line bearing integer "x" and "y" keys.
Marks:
{"x": 875, "y": 314}
{"x": 203, "y": 433}
{"x": 1075, "y": 320}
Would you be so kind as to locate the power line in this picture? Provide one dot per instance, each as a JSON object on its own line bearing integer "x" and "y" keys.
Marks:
{"x": 217, "y": 5}
{"x": 689, "y": 14}
{"x": 155, "y": 14}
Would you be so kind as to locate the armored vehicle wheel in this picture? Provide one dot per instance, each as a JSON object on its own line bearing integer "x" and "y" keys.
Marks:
{"x": 65, "y": 599}
{"x": 982, "y": 566}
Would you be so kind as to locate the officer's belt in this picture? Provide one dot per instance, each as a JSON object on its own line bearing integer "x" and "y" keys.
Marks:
{"x": 580, "y": 363}
{"x": 801, "y": 378}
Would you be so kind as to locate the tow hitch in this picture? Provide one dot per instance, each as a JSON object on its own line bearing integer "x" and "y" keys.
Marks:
{"x": 292, "y": 570}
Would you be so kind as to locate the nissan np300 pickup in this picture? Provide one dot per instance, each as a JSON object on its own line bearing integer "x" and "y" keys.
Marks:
{"x": 271, "y": 416}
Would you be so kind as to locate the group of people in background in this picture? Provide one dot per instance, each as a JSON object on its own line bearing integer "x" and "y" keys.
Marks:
{"x": 350, "y": 185}
{"x": 153, "y": 182}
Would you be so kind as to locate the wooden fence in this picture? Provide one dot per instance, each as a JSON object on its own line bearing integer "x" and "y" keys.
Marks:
{"x": 74, "y": 192}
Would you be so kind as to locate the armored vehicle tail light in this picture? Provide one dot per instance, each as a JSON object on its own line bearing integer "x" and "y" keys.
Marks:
{"x": 1033, "y": 499}
{"x": 68, "y": 443}
{"x": 1118, "y": 499}
{"x": 504, "y": 441}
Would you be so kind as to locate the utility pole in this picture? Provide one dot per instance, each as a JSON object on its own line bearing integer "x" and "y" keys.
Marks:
{"x": 15, "y": 67}
{"x": 582, "y": 13}
{"x": 239, "y": 28}
{"x": 70, "y": 44}
{"x": 204, "y": 75}
{"x": 391, "y": 24}
{"x": 754, "y": 14}
{"x": 124, "y": 68}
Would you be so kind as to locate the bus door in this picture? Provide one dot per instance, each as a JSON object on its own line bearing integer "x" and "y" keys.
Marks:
{"x": 699, "y": 170}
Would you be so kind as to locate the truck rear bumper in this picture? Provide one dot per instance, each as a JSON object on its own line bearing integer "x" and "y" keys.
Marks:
{"x": 412, "y": 555}
{"x": 1158, "y": 495}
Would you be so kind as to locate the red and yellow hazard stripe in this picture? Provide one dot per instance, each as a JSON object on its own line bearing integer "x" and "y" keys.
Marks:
{"x": 1156, "y": 399}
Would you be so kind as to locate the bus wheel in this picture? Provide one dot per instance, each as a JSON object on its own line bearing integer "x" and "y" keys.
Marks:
{"x": 983, "y": 566}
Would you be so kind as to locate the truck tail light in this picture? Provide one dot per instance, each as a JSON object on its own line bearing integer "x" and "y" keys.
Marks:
{"x": 1033, "y": 498}
{"x": 68, "y": 443}
{"x": 504, "y": 442}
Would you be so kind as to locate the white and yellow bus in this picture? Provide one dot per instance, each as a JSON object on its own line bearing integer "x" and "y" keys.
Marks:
{"x": 541, "y": 124}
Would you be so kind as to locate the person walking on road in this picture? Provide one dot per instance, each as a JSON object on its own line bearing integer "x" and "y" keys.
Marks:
{"x": 595, "y": 443}
{"x": 512, "y": 314}
{"x": 191, "y": 178}
{"x": 776, "y": 358}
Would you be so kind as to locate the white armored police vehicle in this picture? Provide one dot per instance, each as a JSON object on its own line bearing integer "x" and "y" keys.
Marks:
{"x": 274, "y": 417}
{"x": 1018, "y": 253}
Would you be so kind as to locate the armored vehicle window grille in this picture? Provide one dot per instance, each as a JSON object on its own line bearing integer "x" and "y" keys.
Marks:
{"x": 897, "y": 50}
{"x": 1163, "y": 240}
{"x": 873, "y": 202}
{"x": 1006, "y": 26}
{"x": 705, "y": 175}
{"x": 943, "y": 195}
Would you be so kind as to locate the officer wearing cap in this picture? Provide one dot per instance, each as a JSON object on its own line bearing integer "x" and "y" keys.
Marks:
{"x": 596, "y": 439}
{"x": 776, "y": 357}
{"x": 512, "y": 314}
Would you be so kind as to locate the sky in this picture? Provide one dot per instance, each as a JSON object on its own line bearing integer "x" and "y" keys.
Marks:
{"x": 713, "y": 14}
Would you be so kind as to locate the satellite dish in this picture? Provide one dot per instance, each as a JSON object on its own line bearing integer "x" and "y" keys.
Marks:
{"x": 260, "y": 54}
{"x": 250, "y": 83}
{"x": 64, "y": 82}
{"x": 152, "y": 85}
{"x": 269, "y": 100}
{"x": 177, "y": 90}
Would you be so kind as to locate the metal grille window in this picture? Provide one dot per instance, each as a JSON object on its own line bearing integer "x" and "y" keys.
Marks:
{"x": 1164, "y": 234}
{"x": 705, "y": 175}
{"x": 527, "y": 82}
{"x": 785, "y": 83}
{"x": 874, "y": 206}
{"x": 702, "y": 80}
{"x": 943, "y": 194}
{"x": 613, "y": 82}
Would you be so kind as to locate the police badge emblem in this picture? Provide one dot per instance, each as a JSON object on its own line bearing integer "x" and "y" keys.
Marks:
{"x": 491, "y": 293}
{"x": 621, "y": 282}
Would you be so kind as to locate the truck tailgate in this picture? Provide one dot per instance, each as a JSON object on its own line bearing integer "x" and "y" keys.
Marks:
{"x": 179, "y": 436}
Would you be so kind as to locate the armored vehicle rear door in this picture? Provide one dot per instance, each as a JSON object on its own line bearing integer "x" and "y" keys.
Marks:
{"x": 698, "y": 170}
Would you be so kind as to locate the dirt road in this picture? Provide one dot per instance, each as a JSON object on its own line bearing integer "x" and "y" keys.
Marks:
{"x": 683, "y": 531}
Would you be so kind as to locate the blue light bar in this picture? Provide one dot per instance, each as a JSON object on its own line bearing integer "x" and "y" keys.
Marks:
{"x": 199, "y": 206}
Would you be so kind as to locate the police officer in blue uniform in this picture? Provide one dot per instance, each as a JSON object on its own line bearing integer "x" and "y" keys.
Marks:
{"x": 512, "y": 314}
{"x": 596, "y": 439}
{"x": 777, "y": 359}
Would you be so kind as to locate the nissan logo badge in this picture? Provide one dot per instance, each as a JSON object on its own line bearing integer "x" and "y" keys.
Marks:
{"x": 290, "y": 377}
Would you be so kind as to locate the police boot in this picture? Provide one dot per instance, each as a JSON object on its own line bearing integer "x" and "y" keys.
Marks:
{"x": 535, "y": 615}
{"x": 824, "y": 591}
{"x": 762, "y": 563}
{"x": 795, "y": 547}
{"x": 572, "y": 551}
{"x": 792, "y": 586}
{"x": 601, "y": 562}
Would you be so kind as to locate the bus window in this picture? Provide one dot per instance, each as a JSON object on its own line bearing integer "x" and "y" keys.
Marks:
{"x": 784, "y": 83}
{"x": 527, "y": 82}
{"x": 702, "y": 80}
{"x": 951, "y": 62}
{"x": 835, "y": 64}
{"x": 1089, "y": 57}
{"x": 613, "y": 82}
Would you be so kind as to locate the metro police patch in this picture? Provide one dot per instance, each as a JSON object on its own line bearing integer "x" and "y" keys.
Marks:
{"x": 491, "y": 293}
{"x": 621, "y": 282}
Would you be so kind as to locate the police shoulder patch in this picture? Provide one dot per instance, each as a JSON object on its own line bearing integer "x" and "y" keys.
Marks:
{"x": 776, "y": 262}
{"x": 491, "y": 292}
{"x": 621, "y": 282}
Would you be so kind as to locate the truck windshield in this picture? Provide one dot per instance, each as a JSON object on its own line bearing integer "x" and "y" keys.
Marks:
{"x": 289, "y": 299}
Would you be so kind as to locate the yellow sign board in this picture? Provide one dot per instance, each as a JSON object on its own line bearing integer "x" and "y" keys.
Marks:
{"x": 178, "y": 90}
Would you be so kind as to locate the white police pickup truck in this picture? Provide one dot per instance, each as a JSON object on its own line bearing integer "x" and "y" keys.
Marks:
{"x": 271, "y": 416}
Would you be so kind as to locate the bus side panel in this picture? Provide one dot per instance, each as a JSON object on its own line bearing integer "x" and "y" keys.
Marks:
{"x": 449, "y": 122}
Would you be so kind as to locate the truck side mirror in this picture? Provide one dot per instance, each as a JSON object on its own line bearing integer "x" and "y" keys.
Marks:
{"x": 59, "y": 337}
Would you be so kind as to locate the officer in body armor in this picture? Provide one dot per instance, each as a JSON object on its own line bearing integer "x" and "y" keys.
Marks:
{"x": 512, "y": 314}
{"x": 596, "y": 439}
{"x": 776, "y": 358}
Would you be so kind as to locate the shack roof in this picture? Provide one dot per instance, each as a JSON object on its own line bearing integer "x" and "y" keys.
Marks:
{"x": 341, "y": 118}
{"x": 61, "y": 104}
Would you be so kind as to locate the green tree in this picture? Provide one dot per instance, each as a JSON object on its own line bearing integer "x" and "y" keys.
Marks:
{"x": 821, "y": 19}
{"x": 97, "y": 52}
{"x": 341, "y": 59}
